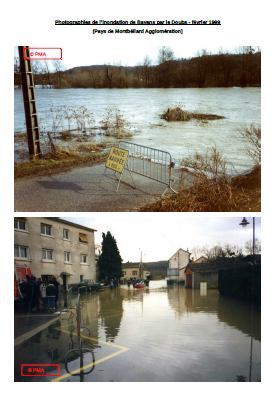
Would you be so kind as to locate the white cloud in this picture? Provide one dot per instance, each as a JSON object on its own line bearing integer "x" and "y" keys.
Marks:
{"x": 159, "y": 235}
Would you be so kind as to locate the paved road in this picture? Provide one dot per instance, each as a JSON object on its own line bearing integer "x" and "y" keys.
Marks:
{"x": 80, "y": 190}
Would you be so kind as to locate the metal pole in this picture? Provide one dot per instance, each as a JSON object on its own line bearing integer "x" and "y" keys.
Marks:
{"x": 178, "y": 270}
{"x": 140, "y": 265}
{"x": 33, "y": 132}
{"x": 252, "y": 303}
{"x": 253, "y": 240}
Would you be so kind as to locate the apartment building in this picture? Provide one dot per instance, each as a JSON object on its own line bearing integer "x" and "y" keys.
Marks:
{"x": 53, "y": 246}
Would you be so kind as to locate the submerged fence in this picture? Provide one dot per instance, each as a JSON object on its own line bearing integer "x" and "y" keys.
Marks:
{"x": 149, "y": 162}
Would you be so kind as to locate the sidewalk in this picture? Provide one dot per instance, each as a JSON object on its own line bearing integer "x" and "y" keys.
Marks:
{"x": 29, "y": 323}
{"x": 80, "y": 190}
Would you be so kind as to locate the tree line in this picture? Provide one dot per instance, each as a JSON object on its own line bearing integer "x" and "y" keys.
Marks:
{"x": 241, "y": 68}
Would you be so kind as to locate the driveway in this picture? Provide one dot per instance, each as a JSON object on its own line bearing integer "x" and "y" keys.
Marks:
{"x": 82, "y": 190}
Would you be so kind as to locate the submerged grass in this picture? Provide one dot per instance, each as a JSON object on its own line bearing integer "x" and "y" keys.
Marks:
{"x": 60, "y": 158}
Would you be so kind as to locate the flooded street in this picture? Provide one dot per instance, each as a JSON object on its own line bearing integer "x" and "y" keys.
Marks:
{"x": 142, "y": 108}
{"x": 159, "y": 333}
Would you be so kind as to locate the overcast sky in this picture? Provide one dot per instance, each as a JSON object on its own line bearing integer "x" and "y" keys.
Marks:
{"x": 160, "y": 235}
{"x": 126, "y": 55}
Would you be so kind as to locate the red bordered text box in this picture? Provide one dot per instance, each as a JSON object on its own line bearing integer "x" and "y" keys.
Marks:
{"x": 39, "y": 365}
{"x": 43, "y": 48}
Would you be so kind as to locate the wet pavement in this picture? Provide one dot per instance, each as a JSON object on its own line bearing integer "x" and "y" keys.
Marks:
{"x": 80, "y": 190}
{"x": 155, "y": 334}
{"x": 27, "y": 321}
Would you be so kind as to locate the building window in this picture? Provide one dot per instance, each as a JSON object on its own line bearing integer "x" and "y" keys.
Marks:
{"x": 83, "y": 239}
{"x": 83, "y": 258}
{"x": 65, "y": 234}
{"x": 81, "y": 277}
{"x": 124, "y": 273}
{"x": 20, "y": 224}
{"x": 134, "y": 272}
{"x": 20, "y": 251}
{"x": 67, "y": 257}
{"x": 46, "y": 229}
{"x": 47, "y": 254}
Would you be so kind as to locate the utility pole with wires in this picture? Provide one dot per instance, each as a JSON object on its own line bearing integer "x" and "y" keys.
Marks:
{"x": 178, "y": 270}
{"x": 33, "y": 132}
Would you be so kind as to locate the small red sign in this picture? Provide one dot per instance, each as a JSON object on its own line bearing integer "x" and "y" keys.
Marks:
{"x": 44, "y": 53}
{"x": 40, "y": 370}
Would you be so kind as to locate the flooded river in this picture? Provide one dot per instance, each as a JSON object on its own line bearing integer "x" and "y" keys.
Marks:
{"x": 142, "y": 108}
{"x": 160, "y": 333}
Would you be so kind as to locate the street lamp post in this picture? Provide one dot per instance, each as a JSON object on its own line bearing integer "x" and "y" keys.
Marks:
{"x": 244, "y": 223}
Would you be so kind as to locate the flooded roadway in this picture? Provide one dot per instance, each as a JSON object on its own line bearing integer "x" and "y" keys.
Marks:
{"x": 160, "y": 333}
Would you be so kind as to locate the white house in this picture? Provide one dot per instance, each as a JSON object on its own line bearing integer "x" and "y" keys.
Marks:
{"x": 177, "y": 265}
{"x": 202, "y": 259}
{"x": 53, "y": 246}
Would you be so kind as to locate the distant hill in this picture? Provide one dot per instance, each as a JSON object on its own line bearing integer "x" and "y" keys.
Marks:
{"x": 207, "y": 70}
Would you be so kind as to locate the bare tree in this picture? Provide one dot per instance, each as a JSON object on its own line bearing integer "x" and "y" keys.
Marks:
{"x": 17, "y": 72}
{"x": 36, "y": 69}
{"x": 46, "y": 72}
{"x": 249, "y": 247}
{"x": 202, "y": 67}
{"x": 59, "y": 71}
{"x": 146, "y": 66}
{"x": 197, "y": 252}
{"x": 95, "y": 76}
{"x": 165, "y": 64}
{"x": 252, "y": 143}
{"x": 110, "y": 73}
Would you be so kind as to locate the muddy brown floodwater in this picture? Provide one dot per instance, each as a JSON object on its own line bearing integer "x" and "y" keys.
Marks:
{"x": 159, "y": 333}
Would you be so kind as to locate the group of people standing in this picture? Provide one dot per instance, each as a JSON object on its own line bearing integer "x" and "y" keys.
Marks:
{"x": 38, "y": 293}
{"x": 113, "y": 283}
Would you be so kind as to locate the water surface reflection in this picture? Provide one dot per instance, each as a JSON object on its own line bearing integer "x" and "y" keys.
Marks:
{"x": 170, "y": 334}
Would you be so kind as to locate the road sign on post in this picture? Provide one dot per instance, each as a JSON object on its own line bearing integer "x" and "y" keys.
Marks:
{"x": 116, "y": 161}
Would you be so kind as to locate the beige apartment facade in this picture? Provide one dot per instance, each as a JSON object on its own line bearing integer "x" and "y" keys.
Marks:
{"x": 53, "y": 246}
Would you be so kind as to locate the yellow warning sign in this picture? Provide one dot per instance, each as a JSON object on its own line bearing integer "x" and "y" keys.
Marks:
{"x": 116, "y": 159}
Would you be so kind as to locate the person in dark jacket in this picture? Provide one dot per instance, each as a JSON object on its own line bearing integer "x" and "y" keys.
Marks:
{"x": 56, "y": 285}
{"x": 51, "y": 294}
{"x": 33, "y": 294}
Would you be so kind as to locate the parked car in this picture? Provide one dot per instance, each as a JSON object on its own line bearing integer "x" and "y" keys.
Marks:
{"x": 91, "y": 285}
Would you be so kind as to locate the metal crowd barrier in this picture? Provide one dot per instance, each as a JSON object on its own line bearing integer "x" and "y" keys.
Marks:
{"x": 69, "y": 302}
{"x": 80, "y": 349}
{"x": 69, "y": 297}
{"x": 149, "y": 162}
{"x": 82, "y": 290}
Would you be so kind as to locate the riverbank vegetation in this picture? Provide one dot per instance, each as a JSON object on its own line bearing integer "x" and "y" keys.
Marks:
{"x": 79, "y": 123}
{"x": 60, "y": 158}
{"x": 179, "y": 114}
{"x": 241, "y": 67}
{"x": 73, "y": 131}
{"x": 212, "y": 188}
